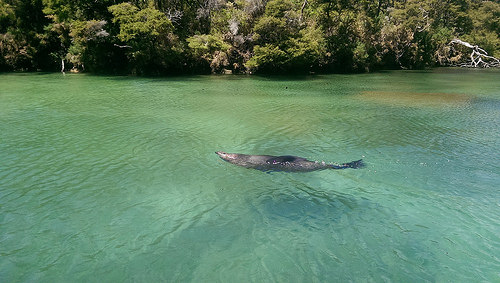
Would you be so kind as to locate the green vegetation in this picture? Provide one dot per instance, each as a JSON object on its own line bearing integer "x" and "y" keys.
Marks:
{"x": 152, "y": 37}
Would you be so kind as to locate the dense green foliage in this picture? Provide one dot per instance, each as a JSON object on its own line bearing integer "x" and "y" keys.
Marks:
{"x": 268, "y": 36}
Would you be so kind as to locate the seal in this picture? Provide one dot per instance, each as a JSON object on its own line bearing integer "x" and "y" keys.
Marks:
{"x": 287, "y": 163}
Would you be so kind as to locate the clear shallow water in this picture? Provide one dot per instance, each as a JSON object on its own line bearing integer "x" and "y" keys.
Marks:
{"x": 115, "y": 179}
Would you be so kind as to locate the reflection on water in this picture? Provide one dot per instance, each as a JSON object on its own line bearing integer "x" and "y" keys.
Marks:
{"x": 116, "y": 178}
{"x": 412, "y": 99}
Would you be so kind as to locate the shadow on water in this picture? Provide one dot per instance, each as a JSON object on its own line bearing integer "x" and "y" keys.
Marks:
{"x": 310, "y": 223}
{"x": 303, "y": 203}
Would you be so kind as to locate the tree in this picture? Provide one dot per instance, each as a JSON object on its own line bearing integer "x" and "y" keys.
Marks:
{"x": 211, "y": 49}
{"x": 7, "y": 18}
{"x": 267, "y": 36}
{"x": 89, "y": 45}
{"x": 148, "y": 36}
{"x": 284, "y": 42}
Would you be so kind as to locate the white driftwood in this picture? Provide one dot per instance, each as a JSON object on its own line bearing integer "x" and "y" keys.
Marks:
{"x": 122, "y": 46}
{"x": 478, "y": 57}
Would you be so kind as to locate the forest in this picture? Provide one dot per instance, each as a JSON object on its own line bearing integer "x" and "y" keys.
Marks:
{"x": 159, "y": 37}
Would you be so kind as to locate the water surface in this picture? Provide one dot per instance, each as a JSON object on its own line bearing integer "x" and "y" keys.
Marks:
{"x": 115, "y": 179}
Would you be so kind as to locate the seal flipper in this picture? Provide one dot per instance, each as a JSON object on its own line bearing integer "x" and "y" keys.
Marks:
{"x": 353, "y": 164}
{"x": 356, "y": 164}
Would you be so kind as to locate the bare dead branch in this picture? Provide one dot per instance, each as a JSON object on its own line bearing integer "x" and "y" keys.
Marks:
{"x": 479, "y": 58}
{"x": 122, "y": 46}
{"x": 302, "y": 10}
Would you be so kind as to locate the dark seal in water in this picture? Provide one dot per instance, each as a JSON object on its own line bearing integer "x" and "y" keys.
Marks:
{"x": 287, "y": 163}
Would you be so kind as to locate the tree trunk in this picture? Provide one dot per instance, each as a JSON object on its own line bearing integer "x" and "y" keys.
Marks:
{"x": 302, "y": 10}
{"x": 379, "y": 7}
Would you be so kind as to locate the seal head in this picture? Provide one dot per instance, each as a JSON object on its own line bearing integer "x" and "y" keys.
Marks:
{"x": 227, "y": 156}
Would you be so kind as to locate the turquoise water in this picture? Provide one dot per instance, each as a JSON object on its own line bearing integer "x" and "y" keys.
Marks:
{"x": 115, "y": 179}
